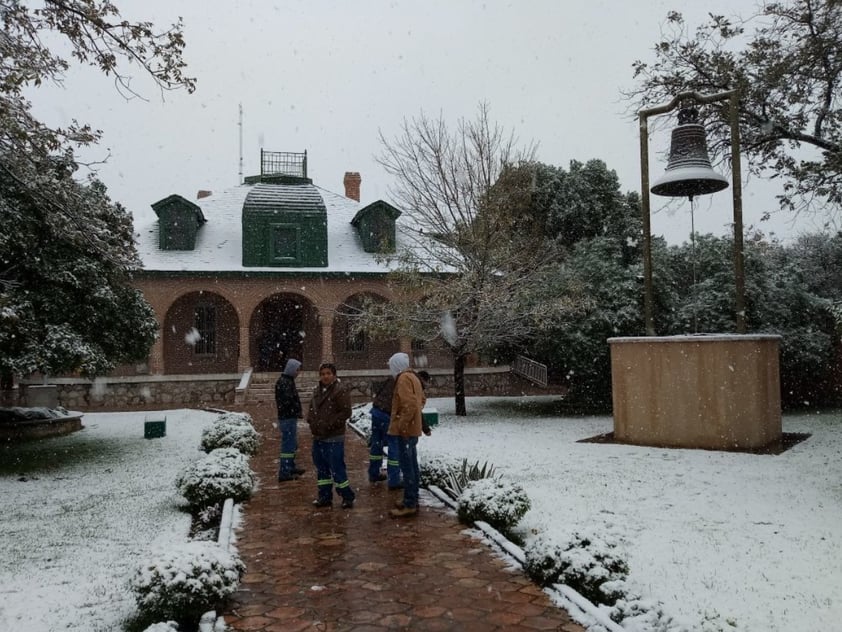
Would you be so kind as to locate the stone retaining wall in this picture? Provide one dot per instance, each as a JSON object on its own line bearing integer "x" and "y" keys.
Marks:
{"x": 145, "y": 392}
{"x": 171, "y": 391}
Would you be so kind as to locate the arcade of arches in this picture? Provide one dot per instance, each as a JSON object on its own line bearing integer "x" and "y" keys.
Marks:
{"x": 226, "y": 325}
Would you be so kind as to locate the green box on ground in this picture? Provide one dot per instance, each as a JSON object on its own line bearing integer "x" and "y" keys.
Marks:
{"x": 430, "y": 416}
{"x": 155, "y": 426}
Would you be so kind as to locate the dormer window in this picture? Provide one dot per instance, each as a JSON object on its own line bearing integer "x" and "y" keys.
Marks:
{"x": 179, "y": 221}
{"x": 284, "y": 225}
{"x": 375, "y": 225}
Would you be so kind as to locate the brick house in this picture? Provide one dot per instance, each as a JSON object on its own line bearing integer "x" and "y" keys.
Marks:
{"x": 269, "y": 270}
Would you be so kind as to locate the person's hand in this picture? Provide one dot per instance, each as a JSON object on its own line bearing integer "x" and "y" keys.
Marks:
{"x": 428, "y": 431}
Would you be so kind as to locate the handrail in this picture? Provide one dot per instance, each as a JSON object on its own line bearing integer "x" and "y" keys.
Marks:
{"x": 531, "y": 370}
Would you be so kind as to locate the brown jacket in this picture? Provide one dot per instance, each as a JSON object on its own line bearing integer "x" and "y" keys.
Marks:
{"x": 329, "y": 409}
{"x": 407, "y": 402}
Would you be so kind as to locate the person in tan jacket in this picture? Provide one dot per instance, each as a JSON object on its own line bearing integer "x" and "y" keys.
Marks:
{"x": 406, "y": 426}
{"x": 330, "y": 409}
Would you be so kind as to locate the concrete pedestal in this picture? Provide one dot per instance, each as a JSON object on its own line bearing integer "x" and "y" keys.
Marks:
{"x": 719, "y": 392}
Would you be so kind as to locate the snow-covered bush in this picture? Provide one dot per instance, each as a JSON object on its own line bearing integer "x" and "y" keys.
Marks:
{"x": 235, "y": 418}
{"x": 169, "y": 626}
{"x": 186, "y": 581}
{"x": 206, "y": 523}
{"x": 499, "y": 503}
{"x": 641, "y": 615}
{"x": 361, "y": 419}
{"x": 437, "y": 470}
{"x": 228, "y": 432}
{"x": 589, "y": 564}
{"x": 223, "y": 473}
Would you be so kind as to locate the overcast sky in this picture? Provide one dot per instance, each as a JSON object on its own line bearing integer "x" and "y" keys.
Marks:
{"x": 327, "y": 76}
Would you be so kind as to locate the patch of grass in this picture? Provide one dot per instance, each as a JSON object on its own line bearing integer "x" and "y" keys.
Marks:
{"x": 43, "y": 456}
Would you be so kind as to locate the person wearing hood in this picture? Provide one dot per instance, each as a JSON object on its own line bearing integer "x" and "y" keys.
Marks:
{"x": 381, "y": 407}
{"x": 289, "y": 410}
{"x": 406, "y": 426}
{"x": 330, "y": 409}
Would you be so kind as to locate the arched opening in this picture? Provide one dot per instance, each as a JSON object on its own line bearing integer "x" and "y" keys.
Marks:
{"x": 201, "y": 335}
{"x": 284, "y": 326}
{"x": 358, "y": 349}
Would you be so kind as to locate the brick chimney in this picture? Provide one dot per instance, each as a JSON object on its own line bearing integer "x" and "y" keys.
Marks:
{"x": 203, "y": 194}
{"x": 352, "y": 185}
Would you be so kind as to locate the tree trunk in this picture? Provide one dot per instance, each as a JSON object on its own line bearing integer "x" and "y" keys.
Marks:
{"x": 459, "y": 383}
{"x": 7, "y": 385}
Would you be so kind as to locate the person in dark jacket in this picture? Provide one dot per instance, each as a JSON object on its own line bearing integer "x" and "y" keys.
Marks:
{"x": 289, "y": 410}
{"x": 381, "y": 407}
{"x": 330, "y": 408}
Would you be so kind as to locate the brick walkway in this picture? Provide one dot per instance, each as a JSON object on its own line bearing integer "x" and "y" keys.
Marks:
{"x": 358, "y": 570}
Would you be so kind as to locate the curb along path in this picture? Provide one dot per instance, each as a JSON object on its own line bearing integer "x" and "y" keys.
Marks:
{"x": 358, "y": 570}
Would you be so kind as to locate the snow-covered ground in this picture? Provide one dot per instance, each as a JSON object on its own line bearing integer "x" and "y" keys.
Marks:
{"x": 717, "y": 537}
{"x": 725, "y": 540}
{"x": 72, "y": 534}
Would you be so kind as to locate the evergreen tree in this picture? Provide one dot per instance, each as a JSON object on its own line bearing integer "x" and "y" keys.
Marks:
{"x": 66, "y": 251}
{"x": 66, "y": 264}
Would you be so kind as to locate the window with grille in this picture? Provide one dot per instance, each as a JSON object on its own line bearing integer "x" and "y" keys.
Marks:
{"x": 205, "y": 324}
{"x": 355, "y": 342}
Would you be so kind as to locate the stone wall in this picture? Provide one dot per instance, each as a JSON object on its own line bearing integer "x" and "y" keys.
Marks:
{"x": 178, "y": 391}
{"x": 145, "y": 393}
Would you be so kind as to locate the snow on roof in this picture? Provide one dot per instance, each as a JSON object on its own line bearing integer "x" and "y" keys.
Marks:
{"x": 219, "y": 243}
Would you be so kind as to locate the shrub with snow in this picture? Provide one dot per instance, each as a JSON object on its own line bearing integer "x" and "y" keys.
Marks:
{"x": 235, "y": 418}
{"x": 186, "y": 581}
{"x": 225, "y": 433}
{"x": 169, "y": 626}
{"x": 591, "y": 565}
{"x": 361, "y": 419}
{"x": 223, "y": 473}
{"x": 437, "y": 470}
{"x": 499, "y": 503}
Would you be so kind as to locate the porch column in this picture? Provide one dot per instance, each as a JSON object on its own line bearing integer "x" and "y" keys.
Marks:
{"x": 326, "y": 320}
{"x": 406, "y": 345}
{"x": 244, "y": 359}
{"x": 155, "y": 361}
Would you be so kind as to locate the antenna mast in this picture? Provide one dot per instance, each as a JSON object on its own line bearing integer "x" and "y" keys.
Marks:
{"x": 241, "y": 145}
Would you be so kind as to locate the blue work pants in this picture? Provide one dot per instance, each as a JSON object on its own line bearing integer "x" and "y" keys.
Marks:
{"x": 408, "y": 457}
{"x": 329, "y": 460}
{"x": 289, "y": 446}
{"x": 379, "y": 438}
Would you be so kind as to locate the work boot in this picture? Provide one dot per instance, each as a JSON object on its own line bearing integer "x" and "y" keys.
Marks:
{"x": 405, "y": 512}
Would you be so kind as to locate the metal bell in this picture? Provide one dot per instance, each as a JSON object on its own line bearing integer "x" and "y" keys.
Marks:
{"x": 688, "y": 171}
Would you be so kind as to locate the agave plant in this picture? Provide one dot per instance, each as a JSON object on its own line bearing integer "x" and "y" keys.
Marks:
{"x": 458, "y": 479}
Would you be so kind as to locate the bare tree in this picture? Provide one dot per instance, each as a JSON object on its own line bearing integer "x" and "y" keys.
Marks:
{"x": 462, "y": 277}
